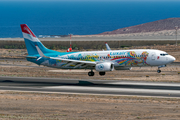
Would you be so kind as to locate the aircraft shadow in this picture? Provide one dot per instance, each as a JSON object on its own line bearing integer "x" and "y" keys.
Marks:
{"x": 82, "y": 83}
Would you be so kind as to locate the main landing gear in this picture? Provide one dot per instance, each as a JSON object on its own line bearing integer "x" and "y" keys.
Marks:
{"x": 91, "y": 73}
{"x": 159, "y": 71}
{"x": 102, "y": 73}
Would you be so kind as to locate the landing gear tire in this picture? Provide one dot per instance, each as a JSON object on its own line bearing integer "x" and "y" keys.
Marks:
{"x": 91, "y": 73}
{"x": 158, "y": 71}
{"x": 102, "y": 73}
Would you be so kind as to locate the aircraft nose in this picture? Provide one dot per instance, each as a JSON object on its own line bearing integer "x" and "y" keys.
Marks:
{"x": 172, "y": 59}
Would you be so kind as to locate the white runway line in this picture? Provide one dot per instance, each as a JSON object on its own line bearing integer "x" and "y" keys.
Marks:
{"x": 103, "y": 89}
{"x": 145, "y": 83}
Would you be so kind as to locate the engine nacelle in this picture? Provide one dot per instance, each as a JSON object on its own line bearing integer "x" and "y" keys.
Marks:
{"x": 103, "y": 67}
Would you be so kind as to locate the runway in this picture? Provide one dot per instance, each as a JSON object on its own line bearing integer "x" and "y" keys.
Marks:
{"x": 92, "y": 87}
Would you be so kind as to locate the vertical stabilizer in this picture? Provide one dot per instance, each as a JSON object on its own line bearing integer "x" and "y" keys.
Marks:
{"x": 31, "y": 41}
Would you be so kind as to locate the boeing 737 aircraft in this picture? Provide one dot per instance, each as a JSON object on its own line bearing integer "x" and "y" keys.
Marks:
{"x": 101, "y": 61}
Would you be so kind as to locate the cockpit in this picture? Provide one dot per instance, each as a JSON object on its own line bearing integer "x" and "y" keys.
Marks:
{"x": 163, "y": 54}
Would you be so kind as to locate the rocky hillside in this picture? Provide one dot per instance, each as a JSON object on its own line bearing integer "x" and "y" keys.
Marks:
{"x": 160, "y": 25}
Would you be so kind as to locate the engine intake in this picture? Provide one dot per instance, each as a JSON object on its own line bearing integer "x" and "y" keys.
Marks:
{"x": 102, "y": 67}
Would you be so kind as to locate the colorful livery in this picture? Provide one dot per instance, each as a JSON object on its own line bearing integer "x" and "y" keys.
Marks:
{"x": 101, "y": 61}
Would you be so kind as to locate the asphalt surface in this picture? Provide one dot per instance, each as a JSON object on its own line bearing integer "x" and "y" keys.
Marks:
{"x": 95, "y": 87}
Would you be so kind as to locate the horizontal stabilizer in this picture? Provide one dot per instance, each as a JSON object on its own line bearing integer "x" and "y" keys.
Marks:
{"x": 34, "y": 57}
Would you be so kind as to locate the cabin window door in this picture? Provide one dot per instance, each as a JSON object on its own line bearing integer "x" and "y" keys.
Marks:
{"x": 153, "y": 56}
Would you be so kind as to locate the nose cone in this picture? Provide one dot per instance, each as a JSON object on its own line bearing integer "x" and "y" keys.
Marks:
{"x": 172, "y": 59}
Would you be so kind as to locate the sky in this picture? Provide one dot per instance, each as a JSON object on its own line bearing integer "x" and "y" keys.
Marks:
{"x": 81, "y": 17}
{"x": 90, "y": 0}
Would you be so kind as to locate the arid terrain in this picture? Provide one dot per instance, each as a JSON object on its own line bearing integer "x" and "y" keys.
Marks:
{"x": 29, "y": 105}
{"x": 155, "y": 26}
{"x": 45, "y": 106}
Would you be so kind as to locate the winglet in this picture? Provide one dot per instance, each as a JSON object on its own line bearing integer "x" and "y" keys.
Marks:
{"x": 107, "y": 46}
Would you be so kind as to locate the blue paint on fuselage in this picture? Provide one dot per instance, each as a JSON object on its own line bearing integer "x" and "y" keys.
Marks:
{"x": 43, "y": 59}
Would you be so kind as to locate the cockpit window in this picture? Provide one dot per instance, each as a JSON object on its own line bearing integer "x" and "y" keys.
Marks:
{"x": 163, "y": 54}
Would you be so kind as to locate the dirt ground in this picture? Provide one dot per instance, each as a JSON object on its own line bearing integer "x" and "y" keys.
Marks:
{"x": 30, "y": 105}
{"x": 169, "y": 74}
{"x": 21, "y": 105}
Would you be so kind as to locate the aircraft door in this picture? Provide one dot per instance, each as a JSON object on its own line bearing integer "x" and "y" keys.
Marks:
{"x": 153, "y": 56}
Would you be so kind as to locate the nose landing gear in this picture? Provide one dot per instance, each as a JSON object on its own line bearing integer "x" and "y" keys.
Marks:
{"x": 159, "y": 71}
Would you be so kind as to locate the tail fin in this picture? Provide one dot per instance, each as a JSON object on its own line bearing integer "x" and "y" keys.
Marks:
{"x": 32, "y": 41}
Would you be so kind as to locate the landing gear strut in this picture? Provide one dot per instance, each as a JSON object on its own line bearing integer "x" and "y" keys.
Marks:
{"x": 159, "y": 71}
{"x": 91, "y": 73}
{"x": 102, "y": 73}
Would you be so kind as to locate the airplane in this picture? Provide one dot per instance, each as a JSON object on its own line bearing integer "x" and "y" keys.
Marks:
{"x": 101, "y": 61}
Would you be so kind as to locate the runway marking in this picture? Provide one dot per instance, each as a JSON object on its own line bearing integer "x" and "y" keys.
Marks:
{"x": 113, "y": 89}
{"x": 145, "y": 83}
{"x": 100, "y": 89}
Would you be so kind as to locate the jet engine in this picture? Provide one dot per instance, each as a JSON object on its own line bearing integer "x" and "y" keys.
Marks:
{"x": 102, "y": 67}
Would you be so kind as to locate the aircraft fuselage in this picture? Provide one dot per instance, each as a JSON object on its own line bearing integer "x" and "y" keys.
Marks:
{"x": 120, "y": 58}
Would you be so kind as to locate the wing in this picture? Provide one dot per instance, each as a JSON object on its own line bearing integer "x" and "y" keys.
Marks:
{"x": 76, "y": 63}
{"x": 69, "y": 62}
